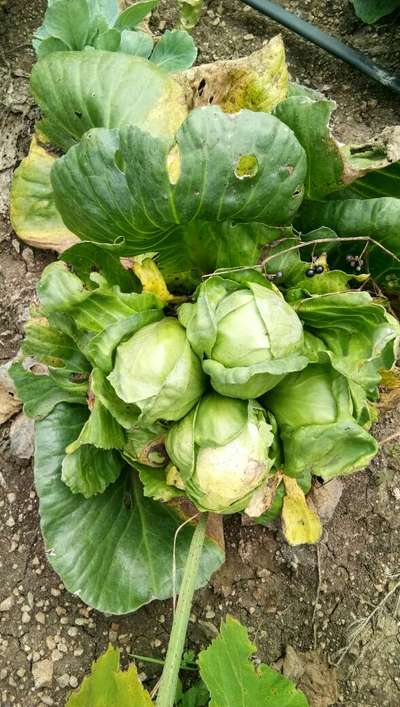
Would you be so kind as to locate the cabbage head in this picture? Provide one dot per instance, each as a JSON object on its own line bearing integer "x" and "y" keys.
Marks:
{"x": 222, "y": 452}
{"x": 157, "y": 371}
{"x": 247, "y": 335}
{"x": 322, "y": 420}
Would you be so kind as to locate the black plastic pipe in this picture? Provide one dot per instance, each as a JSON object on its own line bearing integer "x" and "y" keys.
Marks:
{"x": 325, "y": 41}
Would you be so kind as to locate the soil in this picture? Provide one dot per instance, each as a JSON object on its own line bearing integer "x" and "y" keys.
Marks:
{"x": 286, "y": 596}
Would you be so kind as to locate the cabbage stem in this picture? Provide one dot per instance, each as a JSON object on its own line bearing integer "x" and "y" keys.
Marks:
{"x": 169, "y": 677}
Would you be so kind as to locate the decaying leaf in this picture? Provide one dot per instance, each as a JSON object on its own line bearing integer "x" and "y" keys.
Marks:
{"x": 390, "y": 395}
{"x": 300, "y": 523}
{"x": 380, "y": 152}
{"x": 34, "y": 215}
{"x": 313, "y": 675}
{"x": 263, "y": 497}
{"x": 257, "y": 82}
{"x": 152, "y": 280}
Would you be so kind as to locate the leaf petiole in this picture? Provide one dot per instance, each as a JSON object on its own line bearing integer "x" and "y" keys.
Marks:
{"x": 169, "y": 677}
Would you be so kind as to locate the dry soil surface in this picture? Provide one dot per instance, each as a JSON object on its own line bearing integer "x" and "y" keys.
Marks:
{"x": 295, "y": 597}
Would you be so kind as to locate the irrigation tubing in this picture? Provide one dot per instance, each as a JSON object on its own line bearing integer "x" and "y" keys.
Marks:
{"x": 325, "y": 41}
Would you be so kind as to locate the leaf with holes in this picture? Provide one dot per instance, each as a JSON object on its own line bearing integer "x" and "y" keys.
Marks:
{"x": 332, "y": 165}
{"x": 103, "y": 89}
{"x": 155, "y": 192}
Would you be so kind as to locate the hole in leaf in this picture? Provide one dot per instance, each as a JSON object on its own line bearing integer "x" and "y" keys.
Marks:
{"x": 201, "y": 87}
{"x": 210, "y": 100}
{"x": 78, "y": 113}
{"x": 297, "y": 191}
{"x": 174, "y": 165}
{"x": 246, "y": 167}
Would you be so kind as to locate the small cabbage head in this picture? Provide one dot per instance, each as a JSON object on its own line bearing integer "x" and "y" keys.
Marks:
{"x": 221, "y": 451}
{"x": 157, "y": 371}
{"x": 321, "y": 419}
{"x": 247, "y": 335}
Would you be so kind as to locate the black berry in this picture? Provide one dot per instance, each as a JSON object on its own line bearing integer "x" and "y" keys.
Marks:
{"x": 319, "y": 269}
{"x": 310, "y": 272}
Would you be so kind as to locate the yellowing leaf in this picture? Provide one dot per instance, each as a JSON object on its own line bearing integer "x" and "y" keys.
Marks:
{"x": 390, "y": 396}
{"x": 150, "y": 277}
{"x": 257, "y": 82}
{"x": 300, "y": 524}
{"x": 34, "y": 215}
{"x": 107, "y": 686}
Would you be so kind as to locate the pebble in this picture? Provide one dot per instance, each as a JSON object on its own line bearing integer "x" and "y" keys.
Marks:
{"x": 7, "y": 603}
{"x": 73, "y": 681}
{"x": 73, "y": 631}
{"x": 42, "y": 673}
{"x": 21, "y": 437}
{"x": 40, "y": 617}
{"x": 56, "y": 655}
{"x": 63, "y": 680}
{"x": 25, "y": 617}
{"x": 27, "y": 256}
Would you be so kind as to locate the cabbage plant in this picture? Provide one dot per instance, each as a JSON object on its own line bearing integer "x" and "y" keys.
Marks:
{"x": 249, "y": 337}
{"x": 222, "y": 452}
{"x": 148, "y": 415}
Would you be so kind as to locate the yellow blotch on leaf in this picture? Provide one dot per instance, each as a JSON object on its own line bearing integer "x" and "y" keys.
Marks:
{"x": 300, "y": 524}
{"x": 151, "y": 278}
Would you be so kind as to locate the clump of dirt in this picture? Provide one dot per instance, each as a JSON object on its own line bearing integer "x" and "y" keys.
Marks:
{"x": 286, "y": 596}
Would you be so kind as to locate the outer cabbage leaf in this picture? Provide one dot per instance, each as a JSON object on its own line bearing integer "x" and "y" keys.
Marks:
{"x": 103, "y": 89}
{"x": 372, "y": 10}
{"x": 109, "y": 686}
{"x": 98, "y": 319}
{"x": 378, "y": 219}
{"x": 257, "y": 82}
{"x": 135, "y": 13}
{"x": 85, "y": 258}
{"x": 382, "y": 182}
{"x": 40, "y": 393}
{"x": 353, "y": 333}
{"x": 330, "y": 164}
{"x": 114, "y": 550}
{"x": 175, "y": 51}
{"x": 89, "y": 470}
{"x": 53, "y": 347}
{"x": 75, "y": 23}
{"x": 244, "y": 167}
{"x": 136, "y": 43}
{"x": 234, "y": 681}
{"x": 34, "y": 216}
{"x": 100, "y": 430}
